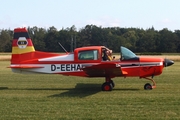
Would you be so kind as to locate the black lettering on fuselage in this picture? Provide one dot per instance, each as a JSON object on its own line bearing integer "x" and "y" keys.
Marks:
{"x": 66, "y": 67}
{"x": 73, "y": 67}
{"x": 78, "y": 67}
{"x": 53, "y": 67}
{"x": 63, "y": 67}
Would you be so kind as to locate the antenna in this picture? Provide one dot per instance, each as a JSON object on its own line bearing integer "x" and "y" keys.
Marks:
{"x": 75, "y": 42}
{"x": 62, "y": 47}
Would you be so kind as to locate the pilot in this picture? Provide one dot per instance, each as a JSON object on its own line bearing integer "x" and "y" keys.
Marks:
{"x": 107, "y": 54}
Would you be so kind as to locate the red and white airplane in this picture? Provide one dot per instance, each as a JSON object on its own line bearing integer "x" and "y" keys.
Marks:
{"x": 85, "y": 62}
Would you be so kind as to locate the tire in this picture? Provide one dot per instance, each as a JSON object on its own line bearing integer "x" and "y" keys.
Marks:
{"x": 147, "y": 86}
{"x": 107, "y": 86}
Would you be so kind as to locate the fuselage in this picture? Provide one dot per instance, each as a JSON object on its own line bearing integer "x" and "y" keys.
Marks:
{"x": 67, "y": 65}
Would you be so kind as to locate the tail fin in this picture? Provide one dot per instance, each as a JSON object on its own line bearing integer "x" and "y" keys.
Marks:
{"x": 21, "y": 42}
{"x": 22, "y": 46}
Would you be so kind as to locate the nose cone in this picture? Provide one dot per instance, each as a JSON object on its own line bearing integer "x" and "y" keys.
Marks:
{"x": 168, "y": 62}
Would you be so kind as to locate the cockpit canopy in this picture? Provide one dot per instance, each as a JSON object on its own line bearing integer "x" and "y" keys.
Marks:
{"x": 127, "y": 54}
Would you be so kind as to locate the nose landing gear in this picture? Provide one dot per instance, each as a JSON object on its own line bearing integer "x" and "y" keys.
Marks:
{"x": 148, "y": 86}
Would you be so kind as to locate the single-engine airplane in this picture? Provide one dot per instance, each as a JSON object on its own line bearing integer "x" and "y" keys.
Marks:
{"x": 84, "y": 61}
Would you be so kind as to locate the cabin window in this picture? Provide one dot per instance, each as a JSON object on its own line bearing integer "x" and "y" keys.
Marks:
{"x": 88, "y": 55}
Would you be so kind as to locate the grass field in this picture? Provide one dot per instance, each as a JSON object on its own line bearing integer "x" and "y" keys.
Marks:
{"x": 40, "y": 96}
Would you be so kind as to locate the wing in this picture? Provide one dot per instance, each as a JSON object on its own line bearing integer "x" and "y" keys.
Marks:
{"x": 104, "y": 70}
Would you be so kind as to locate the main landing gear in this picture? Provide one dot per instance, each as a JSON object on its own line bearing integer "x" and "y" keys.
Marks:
{"x": 148, "y": 86}
{"x": 108, "y": 85}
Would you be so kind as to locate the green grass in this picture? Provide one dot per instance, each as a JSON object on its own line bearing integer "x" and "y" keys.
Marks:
{"x": 25, "y": 96}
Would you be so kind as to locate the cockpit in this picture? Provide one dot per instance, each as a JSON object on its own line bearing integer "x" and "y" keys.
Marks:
{"x": 107, "y": 55}
{"x": 125, "y": 54}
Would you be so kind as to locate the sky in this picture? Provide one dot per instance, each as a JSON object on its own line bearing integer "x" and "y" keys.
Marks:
{"x": 105, "y": 13}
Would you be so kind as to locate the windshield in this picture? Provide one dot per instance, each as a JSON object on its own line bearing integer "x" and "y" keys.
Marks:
{"x": 126, "y": 54}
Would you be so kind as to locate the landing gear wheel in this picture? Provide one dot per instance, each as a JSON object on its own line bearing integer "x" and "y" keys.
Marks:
{"x": 112, "y": 83}
{"x": 148, "y": 86}
{"x": 107, "y": 86}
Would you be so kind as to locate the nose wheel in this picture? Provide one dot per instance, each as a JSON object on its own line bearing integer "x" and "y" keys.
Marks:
{"x": 148, "y": 86}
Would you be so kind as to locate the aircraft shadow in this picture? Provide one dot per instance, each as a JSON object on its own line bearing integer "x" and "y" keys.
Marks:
{"x": 126, "y": 89}
{"x": 81, "y": 90}
{"x": 3, "y": 88}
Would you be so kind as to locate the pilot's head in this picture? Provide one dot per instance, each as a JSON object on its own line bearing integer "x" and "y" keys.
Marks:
{"x": 108, "y": 52}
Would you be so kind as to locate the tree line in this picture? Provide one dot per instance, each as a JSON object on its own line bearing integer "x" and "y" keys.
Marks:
{"x": 136, "y": 39}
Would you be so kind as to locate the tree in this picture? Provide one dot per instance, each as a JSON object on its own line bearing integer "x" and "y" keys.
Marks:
{"x": 37, "y": 35}
{"x": 130, "y": 39}
{"x": 177, "y": 33}
{"x": 167, "y": 41}
{"x": 51, "y": 40}
{"x": 5, "y": 40}
{"x": 148, "y": 41}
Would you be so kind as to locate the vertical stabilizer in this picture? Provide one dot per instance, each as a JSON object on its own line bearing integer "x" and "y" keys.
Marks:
{"x": 22, "y": 46}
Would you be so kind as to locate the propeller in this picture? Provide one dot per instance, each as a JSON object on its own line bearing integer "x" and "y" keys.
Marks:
{"x": 168, "y": 62}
